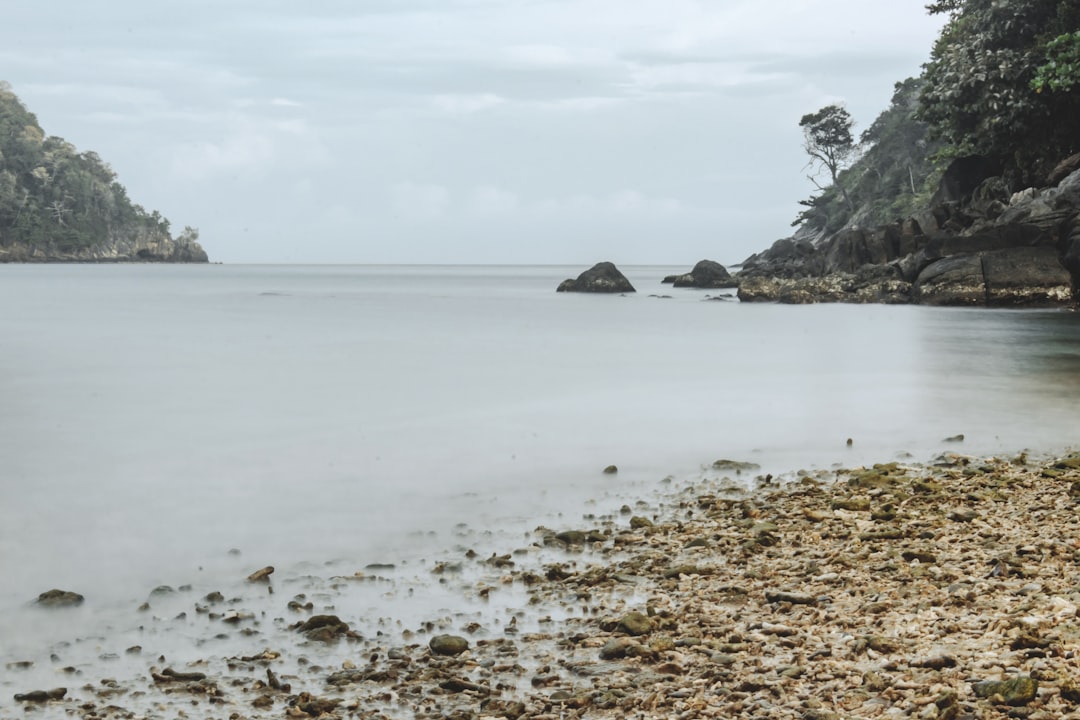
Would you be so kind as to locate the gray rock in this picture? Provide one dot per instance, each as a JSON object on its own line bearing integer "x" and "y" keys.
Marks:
{"x": 952, "y": 281}
{"x": 1016, "y": 691}
{"x": 448, "y": 645}
{"x": 600, "y": 278}
{"x": 707, "y": 274}
{"x": 59, "y": 598}
{"x": 635, "y": 623}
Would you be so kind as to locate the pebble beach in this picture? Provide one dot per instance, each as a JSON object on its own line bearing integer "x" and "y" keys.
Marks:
{"x": 947, "y": 589}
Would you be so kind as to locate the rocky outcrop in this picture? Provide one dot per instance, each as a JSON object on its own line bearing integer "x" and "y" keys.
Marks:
{"x": 128, "y": 245}
{"x": 980, "y": 246}
{"x": 600, "y": 278}
{"x": 56, "y": 598}
{"x": 707, "y": 274}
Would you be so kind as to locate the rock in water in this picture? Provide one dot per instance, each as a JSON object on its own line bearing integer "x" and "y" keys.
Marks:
{"x": 262, "y": 575}
{"x": 59, "y": 598}
{"x": 600, "y": 278}
{"x": 706, "y": 274}
{"x": 448, "y": 645}
{"x": 40, "y": 696}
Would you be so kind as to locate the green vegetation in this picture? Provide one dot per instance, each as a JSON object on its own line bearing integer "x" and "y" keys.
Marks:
{"x": 895, "y": 173}
{"x": 1002, "y": 82}
{"x": 57, "y": 200}
{"x": 828, "y": 142}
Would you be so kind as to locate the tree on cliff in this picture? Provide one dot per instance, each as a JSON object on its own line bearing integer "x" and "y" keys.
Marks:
{"x": 829, "y": 143}
{"x": 1002, "y": 82}
{"x": 54, "y": 199}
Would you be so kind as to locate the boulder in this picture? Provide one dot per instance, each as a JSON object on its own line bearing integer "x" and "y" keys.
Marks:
{"x": 59, "y": 598}
{"x": 600, "y": 278}
{"x": 707, "y": 274}
{"x": 952, "y": 281}
{"x": 1064, "y": 168}
{"x": 792, "y": 257}
{"x": 1026, "y": 276}
{"x": 1009, "y": 277}
{"x": 962, "y": 177}
{"x": 448, "y": 645}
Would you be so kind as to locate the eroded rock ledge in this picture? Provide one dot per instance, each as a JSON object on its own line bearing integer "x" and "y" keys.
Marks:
{"x": 983, "y": 248}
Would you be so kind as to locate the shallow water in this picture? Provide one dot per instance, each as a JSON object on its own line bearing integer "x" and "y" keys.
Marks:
{"x": 154, "y": 417}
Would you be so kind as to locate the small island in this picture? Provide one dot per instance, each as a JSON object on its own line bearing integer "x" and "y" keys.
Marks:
{"x": 61, "y": 205}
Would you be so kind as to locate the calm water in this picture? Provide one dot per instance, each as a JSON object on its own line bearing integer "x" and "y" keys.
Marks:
{"x": 152, "y": 418}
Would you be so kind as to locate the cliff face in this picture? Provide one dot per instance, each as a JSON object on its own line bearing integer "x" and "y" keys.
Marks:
{"x": 977, "y": 245}
{"x": 122, "y": 245}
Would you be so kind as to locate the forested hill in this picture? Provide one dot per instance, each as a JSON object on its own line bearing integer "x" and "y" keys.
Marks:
{"x": 1002, "y": 84}
{"x": 965, "y": 191}
{"x": 61, "y": 205}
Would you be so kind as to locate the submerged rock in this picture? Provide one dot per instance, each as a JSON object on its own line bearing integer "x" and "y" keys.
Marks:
{"x": 40, "y": 696}
{"x": 600, "y": 278}
{"x": 59, "y": 598}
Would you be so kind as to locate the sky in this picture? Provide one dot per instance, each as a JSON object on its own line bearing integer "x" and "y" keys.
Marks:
{"x": 461, "y": 131}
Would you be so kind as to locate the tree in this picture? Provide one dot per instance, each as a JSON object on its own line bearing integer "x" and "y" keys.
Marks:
{"x": 983, "y": 80}
{"x": 829, "y": 143}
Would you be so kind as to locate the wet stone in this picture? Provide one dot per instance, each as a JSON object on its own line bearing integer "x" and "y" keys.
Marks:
{"x": 1015, "y": 691}
{"x": 635, "y": 624}
{"x": 59, "y": 598}
{"x": 448, "y": 645}
{"x": 41, "y": 696}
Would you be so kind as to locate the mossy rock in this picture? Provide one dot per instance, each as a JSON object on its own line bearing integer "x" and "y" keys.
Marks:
{"x": 448, "y": 645}
{"x": 635, "y": 623}
{"x": 59, "y": 598}
{"x": 851, "y": 504}
{"x": 735, "y": 466}
{"x": 1016, "y": 691}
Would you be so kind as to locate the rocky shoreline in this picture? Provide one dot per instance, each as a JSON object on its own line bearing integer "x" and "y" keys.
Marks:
{"x": 941, "y": 590}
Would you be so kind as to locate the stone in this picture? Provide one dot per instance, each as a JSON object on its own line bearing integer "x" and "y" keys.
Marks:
{"x": 1026, "y": 277}
{"x": 448, "y": 645}
{"x": 622, "y": 647}
{"x": 262, "y": 575}
{"x": 706, "y": 274}
{"x": 324, "y": 628}
{"x": 635, "y": 623}
{"x": 952, "y": 281}
{"x": 59, "y": 598}
{"x": 779, "y": 596}
{"x": 1019, "y": 690}
{"x": 600, "y": 278}
{"x": 41, "y": 696}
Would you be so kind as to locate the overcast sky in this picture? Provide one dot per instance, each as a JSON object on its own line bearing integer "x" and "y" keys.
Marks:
{"x": 461, "y": 131}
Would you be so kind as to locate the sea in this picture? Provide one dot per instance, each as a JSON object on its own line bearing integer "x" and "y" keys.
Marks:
{"x": 185, "y": 425}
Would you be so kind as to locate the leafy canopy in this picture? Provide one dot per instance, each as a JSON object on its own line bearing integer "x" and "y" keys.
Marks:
{"x": 828, "y": 141}
{"x": 55, "y": 198}
{"x": 1001, "y": 82}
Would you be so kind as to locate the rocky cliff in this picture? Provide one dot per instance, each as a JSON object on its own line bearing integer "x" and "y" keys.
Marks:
{"x": 124, "y": 245}
{"x": 977, "y": 244}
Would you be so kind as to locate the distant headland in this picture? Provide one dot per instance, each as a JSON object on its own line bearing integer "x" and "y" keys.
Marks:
{"x": 61, "y": 205}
